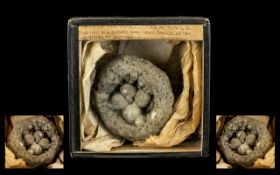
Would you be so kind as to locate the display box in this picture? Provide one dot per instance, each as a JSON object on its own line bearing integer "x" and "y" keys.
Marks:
{"x": 139, "y": 87}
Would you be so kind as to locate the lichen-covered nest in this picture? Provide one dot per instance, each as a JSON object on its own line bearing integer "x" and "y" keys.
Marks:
{"x": 35, "y": 140}
{"x": 244, "y": 140}
{"x": 133, "y": 97}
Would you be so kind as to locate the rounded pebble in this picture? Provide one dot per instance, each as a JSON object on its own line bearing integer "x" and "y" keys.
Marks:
{"x": 241, "y": 135}
{"x": 249, "y": 151}
{"x": 28, "y": 139}
{"x": 142, "y": 99}
{"x": 129, "y": 99}
{"x": 38, "y": 135}
{"x": 234, "y": 143}
{"x": 251, "y": 139}
{"x": 128, "y": 90}
{"x": 130, "y": 113}
{"x": 243, "y": 148}
{"x": 30, "y": 151}
{"x": 249, "y": 127}
{"x": 44, "y": 143}
{"x": 118, "y": 102}
{"x": 37, "y": 149}
{"x": 30, "y": 126}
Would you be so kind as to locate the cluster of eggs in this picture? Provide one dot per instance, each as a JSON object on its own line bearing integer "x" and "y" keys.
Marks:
{"x": 244, "y": 141}
{"x": 36, "y": 140}
{"x": 131, "y": 101}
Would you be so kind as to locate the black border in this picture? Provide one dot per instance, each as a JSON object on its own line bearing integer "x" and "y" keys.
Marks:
{"x": 73, "y": 84}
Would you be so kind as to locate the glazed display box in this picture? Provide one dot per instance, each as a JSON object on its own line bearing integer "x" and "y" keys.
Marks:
{"x": 168, "y": 116}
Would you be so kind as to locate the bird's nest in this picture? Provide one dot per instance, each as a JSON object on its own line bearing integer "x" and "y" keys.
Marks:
{"x": 35, "y": 140}
{"x": 244, "y": 140}
{"x": 133, "y": 97}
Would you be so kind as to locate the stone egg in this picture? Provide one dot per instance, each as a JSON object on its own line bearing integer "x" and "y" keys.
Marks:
{"x": 234, "y": 143}
{"x": 142, "y": 99}
{"x": 130, "y": 113}
{"x": 249, "y": 151}
{"x": 37, "y": 149}
{"x": 118, "y": 101}
{"x": 30, "y": 151}
{"x": 28, "y": 139}
{"x": 243, "y": 148}
{"x": 251, "y": 139}
{"x": 44, "y": 143}
{"x": 128, "y": 90}
{"x": 241, "y": 135}
{"x": 249, "y": 127}
{"x": 30, "y": 126}
{"x": 38, "y": 135}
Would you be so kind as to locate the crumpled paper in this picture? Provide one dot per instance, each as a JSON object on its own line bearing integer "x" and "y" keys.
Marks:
{"x": 56, "y": 165}
{"x": 94, "y": 136}
{"x": 223, "y": 165}
{"x": 220, "y": 120}
{"x": 11, "y": 161}
{"x": 59, "y": 163}
{"x": 183, "y": 122}
{"x": 269, "y": 159}
{"x": 59, "y": 122}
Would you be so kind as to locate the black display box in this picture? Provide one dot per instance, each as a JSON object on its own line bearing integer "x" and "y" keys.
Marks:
{"x": 73, "y": 83}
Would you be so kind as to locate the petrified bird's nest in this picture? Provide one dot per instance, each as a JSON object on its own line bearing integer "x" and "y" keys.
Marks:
{"x": 244, "y": 140}
{"x": 133, "y": 97}
{"x": 35, "y": 140}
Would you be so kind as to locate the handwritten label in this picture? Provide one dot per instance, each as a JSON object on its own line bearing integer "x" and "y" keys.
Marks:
{"x": 139, "y": 32}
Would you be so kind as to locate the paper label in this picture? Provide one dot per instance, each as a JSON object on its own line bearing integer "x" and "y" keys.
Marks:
{"x": 140, "y": 32}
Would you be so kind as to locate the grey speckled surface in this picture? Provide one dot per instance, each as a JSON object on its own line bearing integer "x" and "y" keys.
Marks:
{"x": 133, "y": 97}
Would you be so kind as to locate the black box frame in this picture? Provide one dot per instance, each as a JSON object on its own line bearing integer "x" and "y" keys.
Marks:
{"x": 73, "y": 82}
